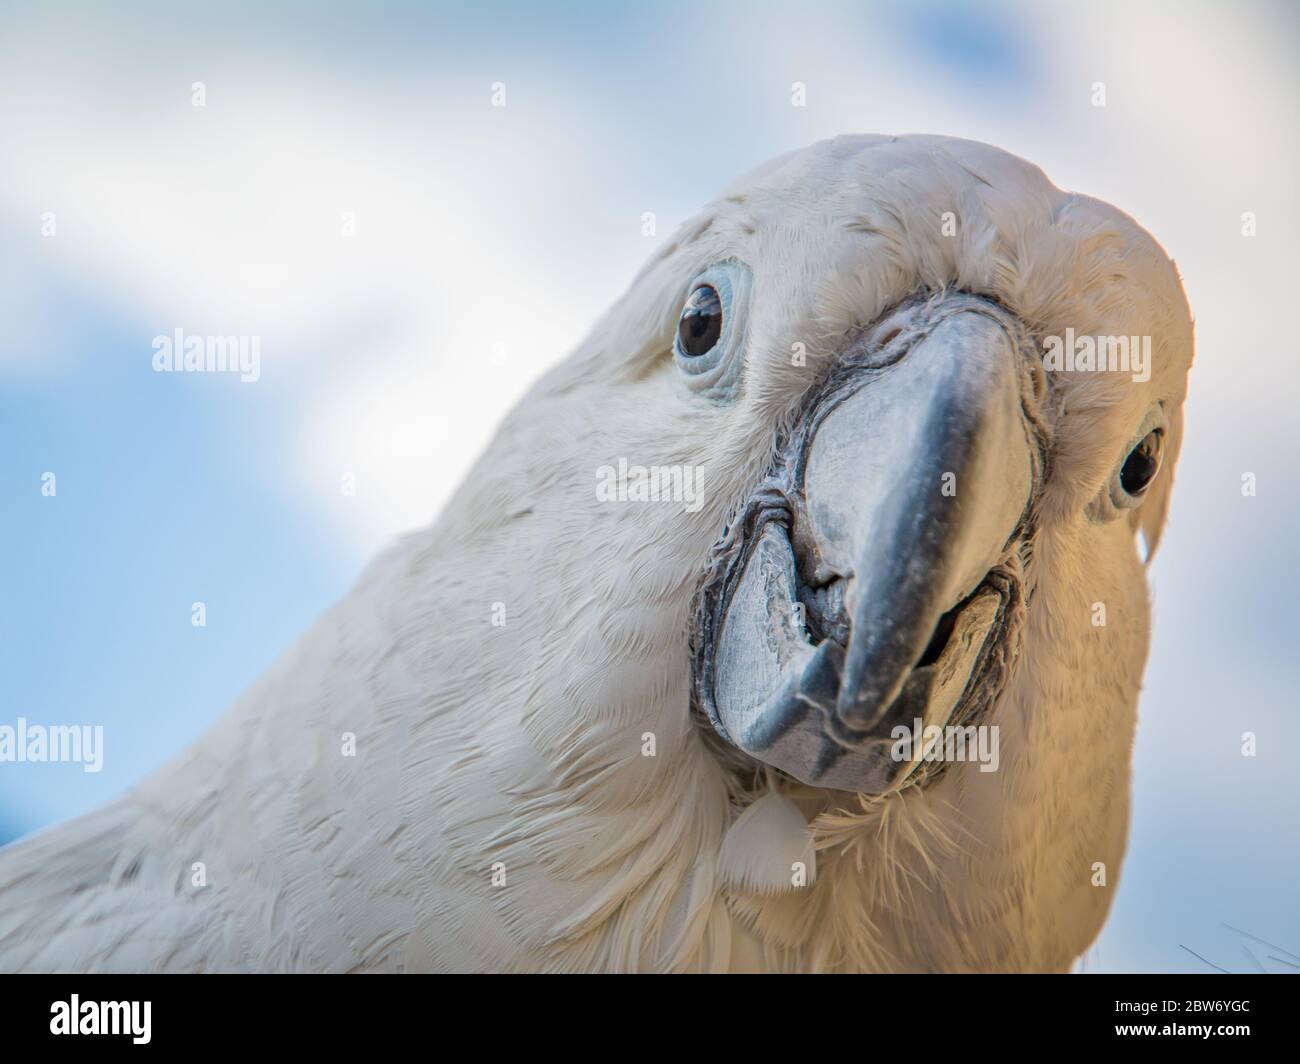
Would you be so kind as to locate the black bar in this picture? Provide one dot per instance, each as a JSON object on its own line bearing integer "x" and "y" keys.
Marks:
{"x": 923, "y": 1012}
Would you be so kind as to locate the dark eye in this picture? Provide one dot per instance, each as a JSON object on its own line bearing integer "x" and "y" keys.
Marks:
{"x": 1143, "y": 463}
{"x": 701, "y": 323}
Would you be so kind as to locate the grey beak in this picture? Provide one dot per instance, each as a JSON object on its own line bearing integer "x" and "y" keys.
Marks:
{"x": 915, "y": 484}
{"x": 906, "y": 488}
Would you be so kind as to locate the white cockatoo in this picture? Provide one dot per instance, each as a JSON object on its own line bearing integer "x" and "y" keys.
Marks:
{"x": 840, "y": 463}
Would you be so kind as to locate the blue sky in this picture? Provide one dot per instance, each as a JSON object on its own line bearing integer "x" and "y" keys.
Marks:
{"x": 487, "y": 242}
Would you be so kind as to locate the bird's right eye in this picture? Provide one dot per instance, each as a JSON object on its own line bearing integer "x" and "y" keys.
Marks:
{"x": 709, "y": 345}
{"x": 701, "y": 322}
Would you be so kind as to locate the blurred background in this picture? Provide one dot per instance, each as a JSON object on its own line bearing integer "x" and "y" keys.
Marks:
{"x": 412, "y": 257}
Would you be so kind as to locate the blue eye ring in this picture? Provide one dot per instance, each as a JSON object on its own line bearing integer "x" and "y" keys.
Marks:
{"x": 715, "y": 372}
{"x": 1114, "y": 498}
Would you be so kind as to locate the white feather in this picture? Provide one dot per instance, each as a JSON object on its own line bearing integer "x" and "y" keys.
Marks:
{"x": 769, "y": 848}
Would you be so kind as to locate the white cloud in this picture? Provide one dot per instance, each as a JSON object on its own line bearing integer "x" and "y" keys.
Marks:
{"x": 384, "y": 348}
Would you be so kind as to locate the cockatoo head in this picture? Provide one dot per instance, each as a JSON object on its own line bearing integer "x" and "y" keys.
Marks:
{"x": 839, "y": 462}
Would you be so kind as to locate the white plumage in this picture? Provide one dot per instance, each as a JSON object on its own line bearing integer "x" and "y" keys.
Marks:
{"x": 500, "y": 812}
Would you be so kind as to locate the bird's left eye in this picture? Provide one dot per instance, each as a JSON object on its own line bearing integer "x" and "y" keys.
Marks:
{"x": 1142, "y": 464}
{"x": 701, "y": 322}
